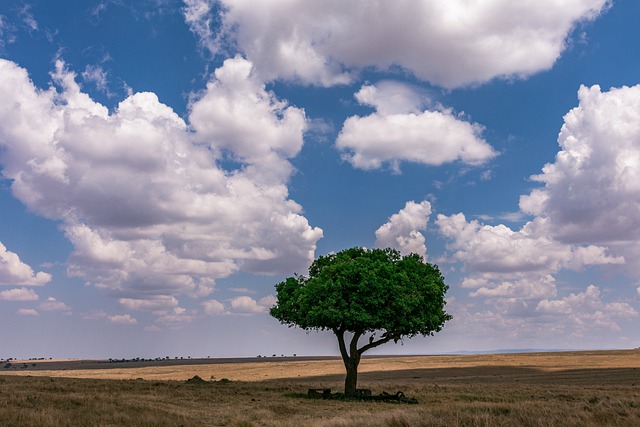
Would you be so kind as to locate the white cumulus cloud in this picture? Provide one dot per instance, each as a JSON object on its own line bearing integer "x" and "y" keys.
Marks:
{"x": 18, "y": 294}
{"x": 213, "y": 307}
{"x": 591, "y": 192}
{"x": 585, "y": 310}
{"x": 236, "y": 113}
{"x": 563, "y": 320}
{"x": 268, "y": 301}
{"x": 140, "y": 193}
{"x": 122, "y": 319}
{"x": 177, "y": 317}
{"x": 452, "y": 43}
{"x": 248, "y": 305}
{"x": 15, "y": 272}
{"x": 524, "y": 289}
{"x": 400, "y": 131}
{"x": 501, "y": 251}
{"x": 52, "y": 304}
{"x": 584, "y": 214}
{"x": 155, "y": 303}
{"x": 402, "y": 231}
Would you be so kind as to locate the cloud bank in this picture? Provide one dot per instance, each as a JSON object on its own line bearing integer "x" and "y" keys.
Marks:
{"x": 585, "y": 214}
{"x": 154, "y": 206}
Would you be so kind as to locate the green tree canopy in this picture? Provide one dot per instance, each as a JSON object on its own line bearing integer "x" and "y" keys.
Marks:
{"x": 364, "y": 291}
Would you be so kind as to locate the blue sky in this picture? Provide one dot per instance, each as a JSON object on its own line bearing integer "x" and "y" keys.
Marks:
{"x": 165, "y": 163}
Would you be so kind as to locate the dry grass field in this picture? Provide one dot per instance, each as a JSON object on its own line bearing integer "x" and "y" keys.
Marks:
{"x": 539, "y": 389}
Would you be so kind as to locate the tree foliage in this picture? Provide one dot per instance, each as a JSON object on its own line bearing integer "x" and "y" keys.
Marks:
{"x": 365, "y": 291}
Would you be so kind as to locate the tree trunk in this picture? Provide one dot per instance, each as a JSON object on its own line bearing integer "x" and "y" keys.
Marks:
{"x": 351, "y": 381}
{"x": 351, "y": 360}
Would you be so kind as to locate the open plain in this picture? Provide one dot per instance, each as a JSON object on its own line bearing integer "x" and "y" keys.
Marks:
{"x": 535, "y": 389}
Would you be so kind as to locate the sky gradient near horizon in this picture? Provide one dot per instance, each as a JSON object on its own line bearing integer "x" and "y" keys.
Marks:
{"x": 164, "y": 163}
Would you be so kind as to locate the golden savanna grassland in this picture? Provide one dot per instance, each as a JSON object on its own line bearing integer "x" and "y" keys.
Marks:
{"x": 537, "y": 389}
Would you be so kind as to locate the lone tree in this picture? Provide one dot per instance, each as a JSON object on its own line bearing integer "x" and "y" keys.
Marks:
{"x": 359, "y": 292}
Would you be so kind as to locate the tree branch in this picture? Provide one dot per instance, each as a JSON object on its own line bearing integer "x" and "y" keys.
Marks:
{"x": 385, "y": 339}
